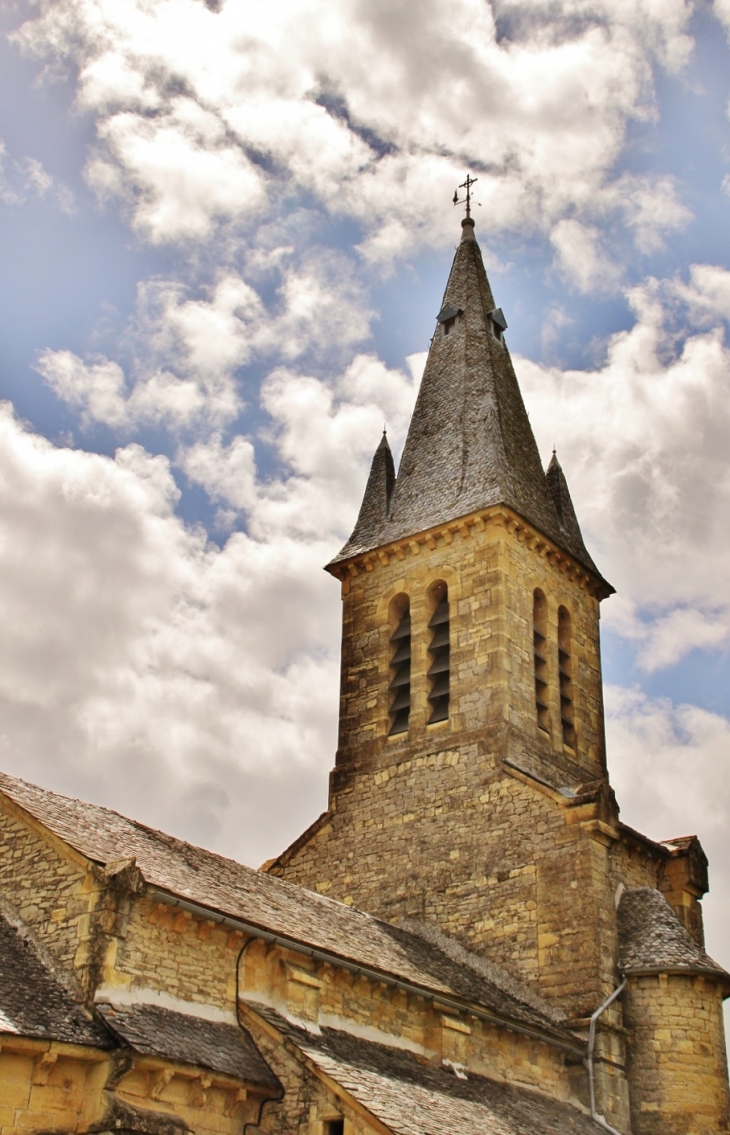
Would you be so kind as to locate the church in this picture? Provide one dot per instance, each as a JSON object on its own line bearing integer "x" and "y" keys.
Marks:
{"x": 468, "y": 940}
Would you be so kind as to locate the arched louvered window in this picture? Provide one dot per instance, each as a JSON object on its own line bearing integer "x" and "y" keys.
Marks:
{"x": 400, "y": 664}
{"x": 565, "y": 667}
{"x": 439, "y": 654}
{"x": 539, "y": 637}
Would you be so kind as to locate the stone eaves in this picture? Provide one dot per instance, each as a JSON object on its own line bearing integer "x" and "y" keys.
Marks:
{"x": 462, "y": 527}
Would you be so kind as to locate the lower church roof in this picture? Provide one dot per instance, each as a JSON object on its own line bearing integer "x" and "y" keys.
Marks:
{"x": 152, "y": 1030}
{"x": 410, "y": 1096}
{"x": 33, "y": 1001}
{"x": 220, "y": 884}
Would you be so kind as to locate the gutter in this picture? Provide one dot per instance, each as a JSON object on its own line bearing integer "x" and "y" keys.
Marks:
{"x": 459, "y": 1005}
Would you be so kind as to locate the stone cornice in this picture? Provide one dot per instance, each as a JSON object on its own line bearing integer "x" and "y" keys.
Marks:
{"x": 498, "y": 516}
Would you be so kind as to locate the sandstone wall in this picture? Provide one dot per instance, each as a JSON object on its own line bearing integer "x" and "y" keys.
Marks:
{"x": 676, "y": 1057}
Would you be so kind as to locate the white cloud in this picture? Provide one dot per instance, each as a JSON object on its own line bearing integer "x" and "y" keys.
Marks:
{"x": 186, "y": 353}
{"x": 371, "y": 114}
{"x": 643, "y": 441}
{"x": 674, "y": 635}
{"x": 226, "y": 472}
{"x": 721, "y": 9}
{"x": 670, "y": 766}
{"x": 180, "y": 175}
{"x": 26, "y": 177}
{"x": 651, "y": 208}
{"x": 581, "y": 258}
{"x": 131, "y": 644}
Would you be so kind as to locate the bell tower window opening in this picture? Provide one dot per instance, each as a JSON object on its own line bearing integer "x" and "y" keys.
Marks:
{"x": 565, "y": 669}
{"x": 539, "y": 638}
{"x": 400, "y": 666}
{"x": 439, "y": 649}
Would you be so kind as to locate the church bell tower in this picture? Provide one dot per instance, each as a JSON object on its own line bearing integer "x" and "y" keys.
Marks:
{"x": 470, "y": 788}
{"x": 470, "y": 784}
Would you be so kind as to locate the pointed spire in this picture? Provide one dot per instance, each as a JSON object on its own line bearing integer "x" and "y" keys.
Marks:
{"x": 570, "y": 529}
{"x": 373, "y": 515}
{"x": 470, "y": 444}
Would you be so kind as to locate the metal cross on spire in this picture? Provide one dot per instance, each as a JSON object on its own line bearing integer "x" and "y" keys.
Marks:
{"x": 467, "y": 199}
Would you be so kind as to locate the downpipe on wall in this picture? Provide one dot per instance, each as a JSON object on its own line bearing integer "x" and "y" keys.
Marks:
{"x": 599, "y": 1119}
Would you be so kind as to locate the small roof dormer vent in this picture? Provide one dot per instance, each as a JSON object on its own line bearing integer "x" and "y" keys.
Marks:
{"x": 497, "y": 316}
{"x": 448, "y": 312}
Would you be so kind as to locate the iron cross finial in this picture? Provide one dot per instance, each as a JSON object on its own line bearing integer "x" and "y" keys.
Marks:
{"x": 467, "y": 199}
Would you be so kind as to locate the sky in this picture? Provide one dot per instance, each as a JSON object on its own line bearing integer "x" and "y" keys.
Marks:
{"x": 225, "y": 231}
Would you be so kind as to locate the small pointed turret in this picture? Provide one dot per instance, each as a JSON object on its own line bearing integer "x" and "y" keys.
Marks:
{"x": 572, "y": 537}
{"x": 470, "y": 445}
{"x": 373, "y": 515}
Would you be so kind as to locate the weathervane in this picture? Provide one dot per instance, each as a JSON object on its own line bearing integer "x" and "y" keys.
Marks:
{"x": 467, "y": 199}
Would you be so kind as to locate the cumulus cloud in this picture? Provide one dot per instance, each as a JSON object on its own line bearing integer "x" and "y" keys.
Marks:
{"x": 196, "y": 110}
{"x": 582, "y": 259}
{"x": 25, "y": 178}
{"x": 132, "y": 644}
{"x": 670, "y": 766}
{"x": 643, "y": 440}
{"x": 187, "y": 353}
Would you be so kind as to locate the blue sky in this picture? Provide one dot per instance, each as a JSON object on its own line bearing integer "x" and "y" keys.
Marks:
{"x": 224, "y": 239}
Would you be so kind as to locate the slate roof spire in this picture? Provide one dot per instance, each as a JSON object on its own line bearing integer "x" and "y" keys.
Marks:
{"x": 469, "y": 445}
{"x": 558, "y": 488}
{"x": 373, "y": 515}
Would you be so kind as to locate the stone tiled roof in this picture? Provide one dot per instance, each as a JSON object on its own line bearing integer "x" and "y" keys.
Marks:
{"x": 155, "y": 1031}
{"x": 572, "y": 537}
{"x": 376, "y": 499}
{"x": 275, "y": 905}
{"x": 412, "y": 1097}
{"x": 651, "y": 937}
{"x": 33, "y": 1002}
{"x": 470, "y": 444}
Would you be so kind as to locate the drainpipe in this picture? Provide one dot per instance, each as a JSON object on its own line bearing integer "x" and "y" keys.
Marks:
{"x": 599, "y": 1119}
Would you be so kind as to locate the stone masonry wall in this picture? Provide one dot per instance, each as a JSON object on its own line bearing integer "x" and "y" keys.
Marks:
{"x": 325, "y": 995}
{"x": 433, "y": 823}
{"x": 677, "y": 1065}
{"x": 50, "y": 888}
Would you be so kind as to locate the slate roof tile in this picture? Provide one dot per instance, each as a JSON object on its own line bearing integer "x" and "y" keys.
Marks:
{"x": 279, "y": 906}
{"x": 651, "y": 937}
{"x": 412, "y": 1097}
{"x": 33, "y": 1002}
{"x": 153, "y": 1030}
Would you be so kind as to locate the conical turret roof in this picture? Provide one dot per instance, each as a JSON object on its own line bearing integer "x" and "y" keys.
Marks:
{"x": 373, "y": 516}
{"x": 470, "y": 444}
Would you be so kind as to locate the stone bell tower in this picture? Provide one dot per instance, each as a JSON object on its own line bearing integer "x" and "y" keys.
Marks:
{"x": 470, "y": 787}
{"x": 471, "y": 714}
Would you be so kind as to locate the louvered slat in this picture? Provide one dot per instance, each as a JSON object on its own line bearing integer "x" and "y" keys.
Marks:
{"x": 400, "y": 706}
{"x": 439, "y": 670}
